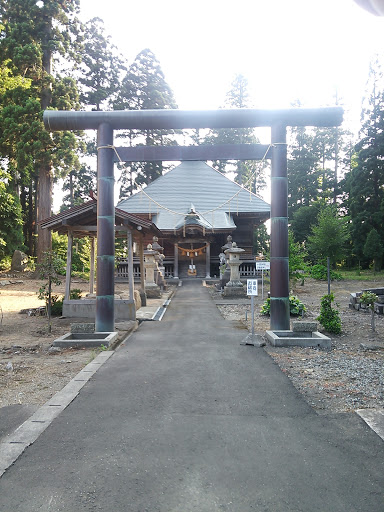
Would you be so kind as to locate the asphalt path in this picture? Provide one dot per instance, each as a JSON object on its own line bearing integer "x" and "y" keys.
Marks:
{"x": 184, "y": 418}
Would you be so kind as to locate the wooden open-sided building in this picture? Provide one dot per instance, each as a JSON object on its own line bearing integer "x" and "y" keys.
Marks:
{"x": 81, "y": 221}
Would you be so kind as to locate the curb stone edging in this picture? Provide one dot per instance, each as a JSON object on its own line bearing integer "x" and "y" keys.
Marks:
{"x": 27, "y": 433}
{"x": 374, "y": 418}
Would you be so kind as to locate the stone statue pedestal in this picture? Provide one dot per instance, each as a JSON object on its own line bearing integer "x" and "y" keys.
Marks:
{"x": 152, "y": 290}
{"x": 234, "y": 287}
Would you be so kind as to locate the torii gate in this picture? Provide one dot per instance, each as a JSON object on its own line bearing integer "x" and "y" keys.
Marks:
{"x": 106, "y": 122}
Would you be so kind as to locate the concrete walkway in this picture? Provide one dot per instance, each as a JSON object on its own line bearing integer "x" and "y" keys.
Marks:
{"x": 184, "y": 418}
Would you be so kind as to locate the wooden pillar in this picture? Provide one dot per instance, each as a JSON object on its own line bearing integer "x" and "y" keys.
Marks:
{"x": 131, "y": 283}
{"x": 142, "y": 268}
{"x": 176, "y": 261}
{"x": 208, "y": 261}
{"x": 280, "y": 316}
{"x": 69, "y": 267}
{"x": 92, "y": 267}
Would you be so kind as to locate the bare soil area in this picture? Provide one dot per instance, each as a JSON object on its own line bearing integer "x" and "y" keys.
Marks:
{"x": 343, "y": 379}
{"x": 29, "y": 373}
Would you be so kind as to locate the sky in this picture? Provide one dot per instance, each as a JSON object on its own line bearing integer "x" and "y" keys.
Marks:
{"x": 288, "y": 50}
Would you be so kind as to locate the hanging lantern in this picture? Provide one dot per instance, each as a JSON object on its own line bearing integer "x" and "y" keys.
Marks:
{"x": 187, "y": 253}
{"x": 195, "y": 253}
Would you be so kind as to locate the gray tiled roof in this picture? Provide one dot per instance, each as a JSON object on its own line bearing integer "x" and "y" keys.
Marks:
{"x": 214, "y": 197}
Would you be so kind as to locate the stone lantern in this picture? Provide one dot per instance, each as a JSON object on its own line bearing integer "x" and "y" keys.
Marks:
{"x": 160, "y": 272}
{"x": 234, "y": 287}
{"x": 150, "y": 264}
{"x": 225, "y": 275}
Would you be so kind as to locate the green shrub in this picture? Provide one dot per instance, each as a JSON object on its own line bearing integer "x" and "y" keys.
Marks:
{"x": 368, "y": 298}
{"x": 5, "y": 263}
{"x": 75, "y": 294}
{"x": 320, "y": 273}
{"x": 57, "y": 305}
{"x": 329, "y": 317}
{"x": 296, "y": 307}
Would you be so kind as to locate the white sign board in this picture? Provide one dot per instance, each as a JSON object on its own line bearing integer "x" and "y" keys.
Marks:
{"x": 263, "y": 265}
{"x": 251, "y": 286}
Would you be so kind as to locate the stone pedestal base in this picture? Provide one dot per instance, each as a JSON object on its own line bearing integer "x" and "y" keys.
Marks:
{"x": 153, "y": 291}
{"x": 234, "y": 291}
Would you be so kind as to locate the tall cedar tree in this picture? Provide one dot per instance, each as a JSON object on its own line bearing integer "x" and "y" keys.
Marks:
{"x": 303, "y": 170}
{"x": 317, "y": 159}
{"x": 364, "y": 184}
{"x": 99, "y": 77}
{"x": 248, "y": 172}
{"x": 144, "y": 87}
{"x": 33, "y": 33}
{"x": 11, "y": 219}
{"x": 101, "y": 67}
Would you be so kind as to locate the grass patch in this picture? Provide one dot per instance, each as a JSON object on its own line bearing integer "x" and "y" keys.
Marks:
{"x": 362, "y": 275}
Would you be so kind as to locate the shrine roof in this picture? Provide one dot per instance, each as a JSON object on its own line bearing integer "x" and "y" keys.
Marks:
{"x": 215, "y": 198}
{"x": 82, "y": 219}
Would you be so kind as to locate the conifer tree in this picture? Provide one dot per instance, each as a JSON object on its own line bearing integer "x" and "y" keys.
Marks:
{"x": 100, "y": 68}
{"x": 373, "y": 249}
{"x": 32, "y": 34}
{"x": 248, "y": 172}
{"x": 303, "y": 170}
{"x": 364, "y": 184}
{"x": 144, "y": 87}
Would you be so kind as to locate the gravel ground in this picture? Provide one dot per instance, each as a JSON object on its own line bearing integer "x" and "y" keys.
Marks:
{"x": 342, "y": 379}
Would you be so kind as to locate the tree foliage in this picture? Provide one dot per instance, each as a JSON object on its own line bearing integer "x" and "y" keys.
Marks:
{"x": 144, "y": 87}
{"x": 11, "y": 233}
{"x": 297, "y": 259}
{"x": 249, "y": 173}
{"x": 373, "y": 249}
{"x": 31, "y": 35}
{"x": 100, "y": 68}
{"x": 329, "y": 236}
{"x": 364, "y": 184}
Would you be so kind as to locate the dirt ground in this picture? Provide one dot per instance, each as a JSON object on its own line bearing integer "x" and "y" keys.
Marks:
{"x": 29, "y": 373}
{"x": 340, "y": 380}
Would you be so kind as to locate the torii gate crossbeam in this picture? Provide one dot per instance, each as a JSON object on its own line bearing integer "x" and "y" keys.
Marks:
{"x": 106, "y": 122}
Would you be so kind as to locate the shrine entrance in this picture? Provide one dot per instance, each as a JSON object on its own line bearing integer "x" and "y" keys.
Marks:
{"x": 192, "y": 260}
{"x": 106, "y": 122}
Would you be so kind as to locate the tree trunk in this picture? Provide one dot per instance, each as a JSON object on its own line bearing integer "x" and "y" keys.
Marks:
{"x": 49, "y": 306}
{"x": 373, "y": 326}
{"x": 44, "y": 208}
{"x": 44, "y": 179}
{"x": 30, "y": 220}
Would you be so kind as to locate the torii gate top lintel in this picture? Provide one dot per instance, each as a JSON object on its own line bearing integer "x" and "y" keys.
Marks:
{"x": 179, "y": 119}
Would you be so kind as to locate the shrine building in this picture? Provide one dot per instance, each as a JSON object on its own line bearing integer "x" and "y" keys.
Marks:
{"x": 196, "y": 208}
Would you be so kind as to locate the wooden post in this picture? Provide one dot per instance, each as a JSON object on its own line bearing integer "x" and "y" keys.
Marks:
{"x": 92, "y": 267}
{"x": 142, "y": 269}
{"x": 69, "y": 266}
{"x": 176, "y": 261}
{"x": 131, "y": 283}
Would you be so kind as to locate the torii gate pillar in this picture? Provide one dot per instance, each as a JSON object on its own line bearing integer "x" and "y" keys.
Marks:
{"x": 105, "y": 283}
{"x": 279, "y": 292}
